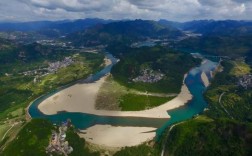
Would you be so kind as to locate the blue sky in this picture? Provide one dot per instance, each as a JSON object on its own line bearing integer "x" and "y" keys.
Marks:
{"x": 176, "y": 10}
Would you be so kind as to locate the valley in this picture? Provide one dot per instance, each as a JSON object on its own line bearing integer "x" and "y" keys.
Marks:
{"x": 128, "y": 87}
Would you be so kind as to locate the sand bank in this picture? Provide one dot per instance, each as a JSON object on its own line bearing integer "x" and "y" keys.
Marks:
{"x": 112, "y": 136}
{"x": 81, "y": 98}
{"x": 204, "y": 79}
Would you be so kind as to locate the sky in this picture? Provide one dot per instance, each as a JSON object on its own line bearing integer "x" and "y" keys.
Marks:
{"x": 174, "y": 10}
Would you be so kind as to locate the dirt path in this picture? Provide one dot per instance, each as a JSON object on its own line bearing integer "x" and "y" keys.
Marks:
{"x": 154, "y": 94}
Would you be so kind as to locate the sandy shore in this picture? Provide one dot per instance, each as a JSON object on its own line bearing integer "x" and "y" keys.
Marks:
{"x": 81, "y": 98}
{"x": 204, "y": 79}
{"x": 112, "y": 136}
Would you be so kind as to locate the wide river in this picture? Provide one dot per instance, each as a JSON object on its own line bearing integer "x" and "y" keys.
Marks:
{"x": 83, "y": 120}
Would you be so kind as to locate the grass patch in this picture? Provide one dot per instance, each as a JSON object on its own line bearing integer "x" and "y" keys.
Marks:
{"x": 240, "y": 68}
{"x": 133, "y": 102}
{"x": 109, "y": 94}
{"x": 3, "y": 129}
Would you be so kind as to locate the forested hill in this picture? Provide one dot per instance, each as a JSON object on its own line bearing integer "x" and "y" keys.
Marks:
{"x": 159, "y": 59}
{"x": 229, "y": 38}
{"x": 123, "y": 31}
{"x": 52, "y": 28}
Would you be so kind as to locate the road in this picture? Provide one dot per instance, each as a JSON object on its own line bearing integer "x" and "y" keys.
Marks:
{"x": 223, "y": 106}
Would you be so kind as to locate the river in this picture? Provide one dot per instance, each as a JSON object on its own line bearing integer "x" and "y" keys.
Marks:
{"x": 83, "y": 120}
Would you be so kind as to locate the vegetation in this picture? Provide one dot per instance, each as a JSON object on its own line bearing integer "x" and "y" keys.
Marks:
{"x": 34, "y": 138}
{"x": 210, "y": 137}
{"x": 225, "y": 128}
{"x": 123, "y": 32}
{"x": 113, "y": 96}
{"x": 158, "y": 59}
{"x": 31, "y": 140}
{"x": 235, "y": 102}
{"x": 234, "y": 47}
{"x": 19, "y": 89}
{"x": 138, "y": 150}
{"x": 134, "y": 102}
{"x": 78, "y": 144}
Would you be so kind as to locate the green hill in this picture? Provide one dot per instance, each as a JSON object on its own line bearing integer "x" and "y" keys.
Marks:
{"x": 158, "y": 59}
{"x": 206, "y": 137}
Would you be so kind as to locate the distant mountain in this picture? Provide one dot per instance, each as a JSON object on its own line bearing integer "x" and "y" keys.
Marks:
{"x": 123, "y": 31}
{"x": 234, "y": 47}
{"x": 213, "y": 28}
{"x": 53, "y": 28}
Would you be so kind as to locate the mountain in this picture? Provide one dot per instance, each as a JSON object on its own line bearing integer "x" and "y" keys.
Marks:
{"x": 212, "y": 27}
{"x": 123, "y": 31}
{"x": 238, "y": 46}
{"x": 52, "y": 28}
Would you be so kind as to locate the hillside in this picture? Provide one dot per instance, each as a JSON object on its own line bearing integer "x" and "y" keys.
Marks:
{"x": 158, "y": 59}
{"x": 206, "y": 137}
{"x": 34, "y": 138}
{"x": 224, "y": 128}
{"x": 238, "y": 46}
{"x": 123, "y": 32}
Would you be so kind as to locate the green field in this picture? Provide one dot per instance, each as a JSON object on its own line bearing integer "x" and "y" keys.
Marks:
{"x": 133, "y": 102}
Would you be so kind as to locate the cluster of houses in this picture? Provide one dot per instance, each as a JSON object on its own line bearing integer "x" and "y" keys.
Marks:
{"x": 245, "y": 81}
{"x": 58, "y": 143}
{"x": 149, "y": 76}
{"x": 55, "y": 66}
{"x": 54, "y": 43}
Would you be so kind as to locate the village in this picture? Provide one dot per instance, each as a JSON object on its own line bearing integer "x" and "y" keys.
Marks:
{"x": 52, "y": 67}
{"x": 148, "y": 76}
{"x": 245, "y": 81}
{"x": 58, "y": 143}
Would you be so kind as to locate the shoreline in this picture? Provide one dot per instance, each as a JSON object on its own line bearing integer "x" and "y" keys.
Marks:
{"x": 72, "y": 99}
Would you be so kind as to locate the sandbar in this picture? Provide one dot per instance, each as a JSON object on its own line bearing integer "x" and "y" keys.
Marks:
{"x": 82, "y": 97}
{"x": 113, "y": 136}
{"x": 204, "y": 79}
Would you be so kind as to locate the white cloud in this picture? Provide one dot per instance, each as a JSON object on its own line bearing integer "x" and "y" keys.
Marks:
{"x": 178, "y": 10}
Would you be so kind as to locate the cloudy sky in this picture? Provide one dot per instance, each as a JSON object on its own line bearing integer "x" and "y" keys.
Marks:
{"x": 176, "y": 10}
